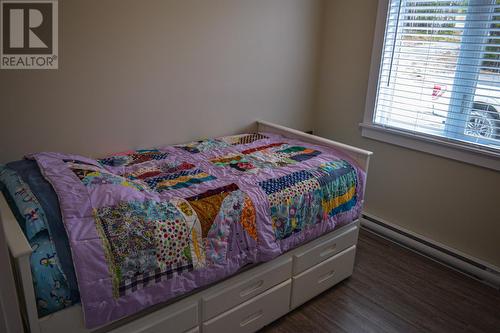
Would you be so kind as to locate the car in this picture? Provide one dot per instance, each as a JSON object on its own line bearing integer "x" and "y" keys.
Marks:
{"x": 483, "y": 120}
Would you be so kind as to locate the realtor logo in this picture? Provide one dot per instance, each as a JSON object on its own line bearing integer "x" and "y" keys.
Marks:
{"x": 29, "y": 34}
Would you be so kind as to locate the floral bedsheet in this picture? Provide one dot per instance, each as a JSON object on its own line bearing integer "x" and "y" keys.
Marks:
{"x": 146, "y": 226}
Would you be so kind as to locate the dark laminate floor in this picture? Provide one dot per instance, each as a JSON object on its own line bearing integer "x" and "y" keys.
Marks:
{"x": 395, "y": 290}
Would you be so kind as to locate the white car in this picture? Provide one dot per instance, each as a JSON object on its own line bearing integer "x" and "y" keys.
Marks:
{"x": 483, "y": 120}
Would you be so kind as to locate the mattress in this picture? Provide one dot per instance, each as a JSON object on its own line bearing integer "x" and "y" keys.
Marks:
{"x": 137, "y": 228}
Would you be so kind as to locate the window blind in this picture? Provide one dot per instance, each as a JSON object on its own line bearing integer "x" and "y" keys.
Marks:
{"x": 440, "y": 70}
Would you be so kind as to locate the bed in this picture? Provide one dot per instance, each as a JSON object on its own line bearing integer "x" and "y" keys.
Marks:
{"x": 230, "y": 232}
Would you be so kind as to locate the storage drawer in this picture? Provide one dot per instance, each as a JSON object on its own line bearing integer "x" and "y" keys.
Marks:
{"x": 322, "y": 276}
{"x": 325, "y": 249}
{"x": 181, "y": 317}
{"x": 225, "y": 298}
{"x": 253, "y": 314}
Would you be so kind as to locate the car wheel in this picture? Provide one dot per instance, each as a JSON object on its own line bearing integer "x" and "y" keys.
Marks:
{"x": 482, "y": 124}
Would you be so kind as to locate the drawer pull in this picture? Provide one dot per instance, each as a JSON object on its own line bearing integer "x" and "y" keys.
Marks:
{"x": 251, "y": 318}
{"x": 329, "y": 250}
{"x": 256, "y": 286}
{"x": 325, "y": 277}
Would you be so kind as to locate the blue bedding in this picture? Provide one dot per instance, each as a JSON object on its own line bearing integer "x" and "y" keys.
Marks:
{"x": 51, "y": 286}
{"x": 36, "y": 207}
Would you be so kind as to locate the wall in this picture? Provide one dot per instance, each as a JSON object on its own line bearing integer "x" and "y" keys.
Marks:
{"x": 450, "y": 202}
{"x": 140, "y": 73}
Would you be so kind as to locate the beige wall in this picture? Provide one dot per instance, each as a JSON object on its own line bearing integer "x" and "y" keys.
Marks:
{"x": 448, "y": 201}
{"x": 140, "y": 73}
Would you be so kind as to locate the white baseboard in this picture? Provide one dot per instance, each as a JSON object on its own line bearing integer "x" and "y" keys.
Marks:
{"x": 441, "y": 253}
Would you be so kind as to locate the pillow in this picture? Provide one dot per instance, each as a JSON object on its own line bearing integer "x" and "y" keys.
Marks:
{"x": 52, "y": 290}
{"x": 23, "y": 203}
{"x": 51, "y": 286}
{"x": 30, "y": 174}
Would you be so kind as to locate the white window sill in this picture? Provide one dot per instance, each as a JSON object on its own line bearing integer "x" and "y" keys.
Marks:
{"x": 433, "y": 145}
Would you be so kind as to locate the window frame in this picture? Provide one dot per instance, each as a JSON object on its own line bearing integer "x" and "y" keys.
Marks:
{"x": 428, "y": 143}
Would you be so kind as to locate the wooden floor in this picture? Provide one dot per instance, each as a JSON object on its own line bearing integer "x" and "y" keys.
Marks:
{"x": 395, "y": 290}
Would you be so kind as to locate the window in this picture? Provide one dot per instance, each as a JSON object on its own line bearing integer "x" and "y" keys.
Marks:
{"x": 436, "y": 76}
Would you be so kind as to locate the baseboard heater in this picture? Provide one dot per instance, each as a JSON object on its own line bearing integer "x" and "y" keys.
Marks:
{"x": 452, "y": 258}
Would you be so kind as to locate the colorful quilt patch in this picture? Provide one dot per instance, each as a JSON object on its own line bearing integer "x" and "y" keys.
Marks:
{"x": 156, "y": 171}
{"x": 338, "y": 181}
{"x": 261, "y": 148}
{"x": 308, "y": 197}
{"x": 238, "y": 162}
{"x": 248, "y": 218}
{"x": 133, "y": 157}
{"x": 203, "y": 145}
{"x": 279, "y": 154}
{"x": 242, "y": 139}
{"x": 219, "y": 210}
{"x": 272, "y": 155}
{"x": 197, "y": 249}
{"x": 178, "y": 180}
{"x": 169, "y": 176}
{"x": 298, "y": 153}
{"x": 207, "y": 205}
{"x": 92, "y": 176}
{"x": 145, "y": 242}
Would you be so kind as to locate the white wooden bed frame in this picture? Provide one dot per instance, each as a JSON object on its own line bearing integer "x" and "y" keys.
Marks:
{"x": 244, "y": 302}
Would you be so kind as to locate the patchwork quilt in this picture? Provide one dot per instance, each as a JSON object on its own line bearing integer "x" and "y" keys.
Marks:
{"x": 146, "y": 226}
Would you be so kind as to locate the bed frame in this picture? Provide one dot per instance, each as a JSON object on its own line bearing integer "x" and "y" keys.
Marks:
{"x": 244, "y": 302}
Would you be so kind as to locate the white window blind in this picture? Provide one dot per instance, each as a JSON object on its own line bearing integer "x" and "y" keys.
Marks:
{"x": 440, "y": 71}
